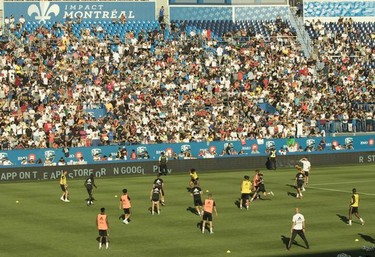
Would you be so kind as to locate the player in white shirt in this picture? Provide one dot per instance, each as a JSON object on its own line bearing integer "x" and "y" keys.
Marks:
{"x": 298, "y": 227}
{"x": 306, "y": 167}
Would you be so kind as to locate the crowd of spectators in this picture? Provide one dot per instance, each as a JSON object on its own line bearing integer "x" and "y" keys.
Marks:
{"x": 183, "y": 88}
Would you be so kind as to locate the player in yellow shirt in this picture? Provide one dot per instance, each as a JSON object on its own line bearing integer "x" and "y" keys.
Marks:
{"x": 353, "y": 207}
{"x": 64, "y": 187}
{"x": 245, "y": 192}
{"x": 193, "y": 177}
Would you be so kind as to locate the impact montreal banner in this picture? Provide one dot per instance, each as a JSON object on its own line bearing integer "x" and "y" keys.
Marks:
{"x": 51, "y": 11}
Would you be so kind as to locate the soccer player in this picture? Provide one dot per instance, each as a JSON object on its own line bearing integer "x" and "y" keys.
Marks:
{"x": 103, "y": 227}
{"x": 163, "y": 160}
{"x": 196, "y": 193}
{"x": 353, "y": 207}
{"x": 64, "y": 187}
{"x": 256, "y": 181}
{"x": 193, "y": 177}
{"x": 245, "y": 192}
{"x": 306, "y": 167}
{"x": 262, "y": 187}
{"x": 159, "y": 183}
{"x": 90, "y": 184}
{"x": 155, "y": 200}
{"x": 298, "y": 228}
{"x": 299, "y": 181}
{"x": 209, "y": 207}
{"x": 125, "y": 204}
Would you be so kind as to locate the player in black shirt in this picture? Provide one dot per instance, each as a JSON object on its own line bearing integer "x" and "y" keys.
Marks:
{"x": 299, "y": 181}
{"x": 196, "y": 193}
{"x": 155, "y": 200}
{"x": 159, "y": 183}
{"x": 89, "y": 184}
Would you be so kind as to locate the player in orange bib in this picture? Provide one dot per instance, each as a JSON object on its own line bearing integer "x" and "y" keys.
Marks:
{"x": 103, "y": 227}
{"x": 209, "y": 207}
{"x": 125, "y": 204}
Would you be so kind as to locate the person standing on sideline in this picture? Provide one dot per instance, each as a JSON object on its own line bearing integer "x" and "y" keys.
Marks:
{"x": 155, "y": 200}
{"x": 161, "y": 14}
{"x": 64, "y": 187}
{"x": 196, "y": 193}
{"x": 103, "y": 227}
{"x": 159, "y": 183}
{"x": 245, "y": 192}
{"x": 353, "y": 207}
{"x": 306, "y": 167}
{"x": 163, "y": 164}
{"x": 209, "y": 207}
{"x": 125, "y": 204}
{"x": 90, "y": 184}
{"x": 272, "y": 159}
{"x": 298, "y": 228}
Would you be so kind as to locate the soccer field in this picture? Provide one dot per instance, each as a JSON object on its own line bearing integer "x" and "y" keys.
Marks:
{"x": 42, "y": 225}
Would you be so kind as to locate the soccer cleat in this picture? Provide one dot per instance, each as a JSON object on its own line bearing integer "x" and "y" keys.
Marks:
{"x": 211, "y": 232}
{"x": 272, "y": 193}
{"x": 125, "y": 222}
{"x": 202, "y": 231}
{"x": 158, "y": 212}
{"x": 363, "y": 222}
{"x": 67, "y": 201}
{"x": 247, "y": 208}
{"x": 303, "y": 189}
{"x": 153, "y": 212}
{"x": 62, "y": 199}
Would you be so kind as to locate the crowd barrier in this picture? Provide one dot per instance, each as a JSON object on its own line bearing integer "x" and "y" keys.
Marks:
{"x": 192, "y": 150}
{"x": 118, "y": 169}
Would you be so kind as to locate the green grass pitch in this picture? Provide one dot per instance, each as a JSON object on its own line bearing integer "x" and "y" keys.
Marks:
{"x": 41, "y": 225}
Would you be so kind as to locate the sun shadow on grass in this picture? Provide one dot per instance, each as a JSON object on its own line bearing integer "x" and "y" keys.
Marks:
{"x": 367, "y": 238}
{"x": 343, "y": 218}
{"x": 237, "y": 203}
{"x": 192, "y": 210}
{"x": 285, "y": 241}
{"x": 292, "y": 194}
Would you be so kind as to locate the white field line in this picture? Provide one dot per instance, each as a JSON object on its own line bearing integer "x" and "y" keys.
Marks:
{"x": 346, "y": 182}
{"x": 336, "y": 190}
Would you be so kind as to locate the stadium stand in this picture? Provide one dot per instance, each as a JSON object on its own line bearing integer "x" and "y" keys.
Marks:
{"x": 182, "y": 82}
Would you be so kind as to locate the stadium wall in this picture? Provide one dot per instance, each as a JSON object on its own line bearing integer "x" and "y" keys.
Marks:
{"x": 123, "y": 169}
{"x": 198, "y": 150}
{"x": 332, "y": 10}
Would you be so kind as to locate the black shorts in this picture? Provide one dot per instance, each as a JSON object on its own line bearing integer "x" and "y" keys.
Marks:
{"x": 307, "y": 173}
{"x": 155, "y": 199}
{"x": 63, "y": 188}
{"x": 127, "y": 210}
{"x": 353, "y": 210}
{"x": 261, "y": 188}
{"x": 198, "y": 202}
{"x": 207, "y": 216}
{"x": 194, "y": 179}
{"x": 299, "y": 184}
{"x": 245, "y": 196}
{"x": 103, "y": 233}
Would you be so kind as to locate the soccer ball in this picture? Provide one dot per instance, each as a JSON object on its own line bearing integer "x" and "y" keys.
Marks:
{"x": 89, "y": 202}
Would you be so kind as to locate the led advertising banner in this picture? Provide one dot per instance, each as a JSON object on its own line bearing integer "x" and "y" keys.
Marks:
{"x": 44, "y": 11}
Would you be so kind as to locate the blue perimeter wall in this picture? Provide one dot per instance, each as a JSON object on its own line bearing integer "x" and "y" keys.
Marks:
{"x": 249, "y": 147}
